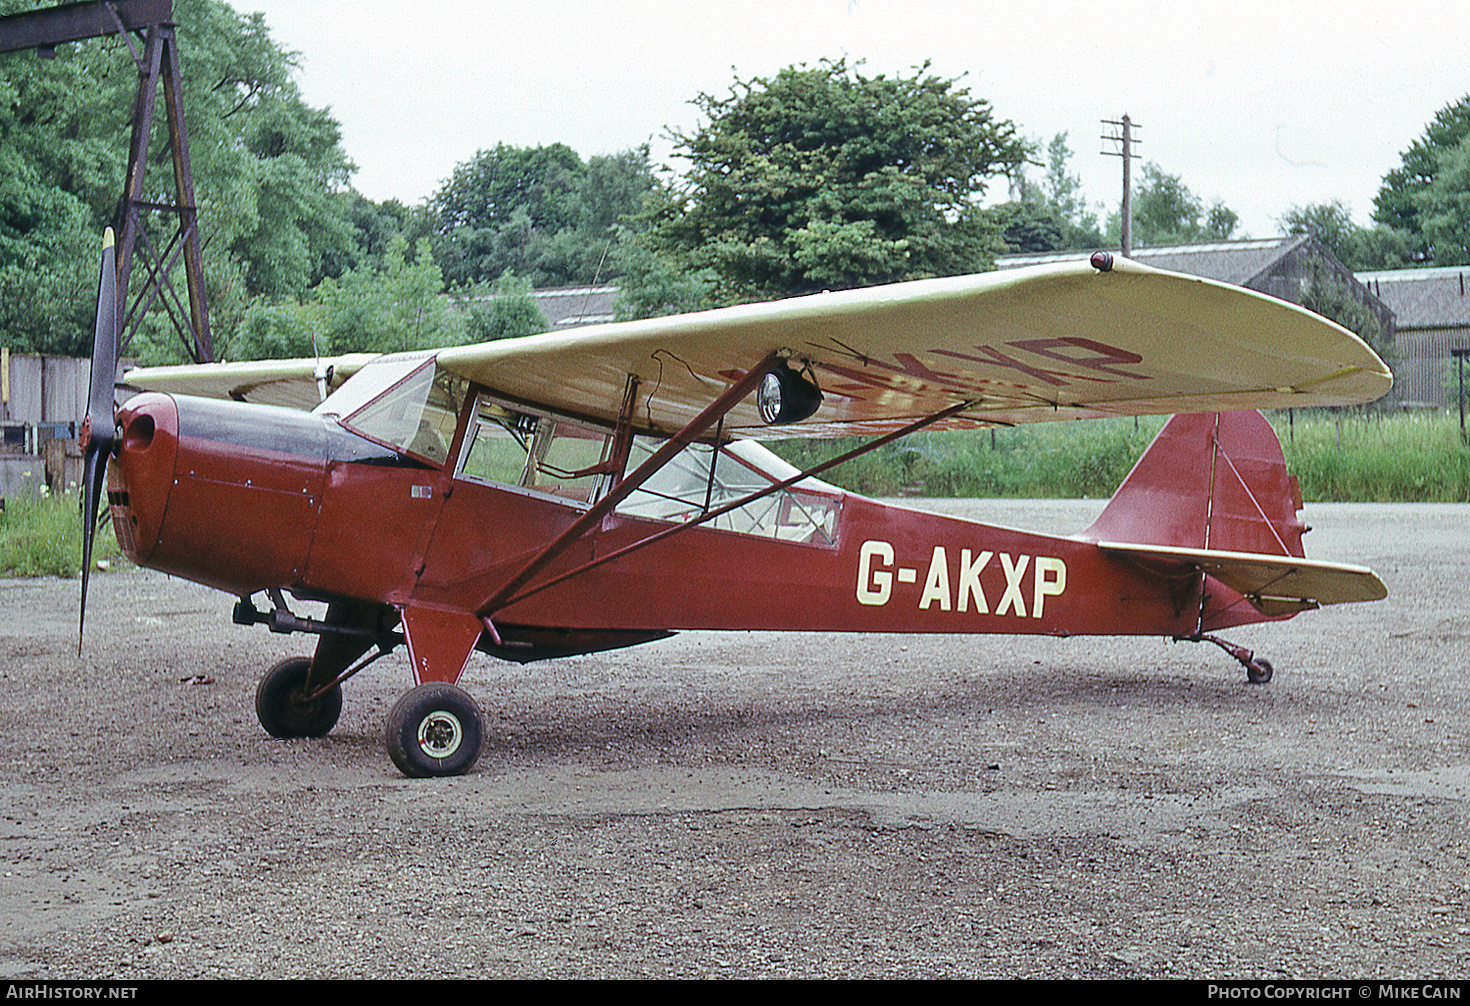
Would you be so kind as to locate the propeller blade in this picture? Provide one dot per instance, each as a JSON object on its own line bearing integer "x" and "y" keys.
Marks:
{"x": 94, "y": 472}
{"x": 98, "y": 431}
{"x": 104, "y": 342}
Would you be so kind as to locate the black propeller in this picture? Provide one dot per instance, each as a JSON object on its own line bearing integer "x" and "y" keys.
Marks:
{"x": 98, "y": 430}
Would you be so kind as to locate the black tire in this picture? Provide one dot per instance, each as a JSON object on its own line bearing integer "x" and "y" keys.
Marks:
{"x": 434, "y": 730}
{"x": 1258, "y": 671}
{"x": 281, "y": 711}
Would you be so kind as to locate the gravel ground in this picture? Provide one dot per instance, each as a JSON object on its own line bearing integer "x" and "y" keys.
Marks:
{"x": 731, "y": 804}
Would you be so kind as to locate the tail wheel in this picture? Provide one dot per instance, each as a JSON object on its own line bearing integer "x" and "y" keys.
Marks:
{"x": 1258, "y": 671}
{"x": 434, "y": 730}
{"x": 282, "y": 708}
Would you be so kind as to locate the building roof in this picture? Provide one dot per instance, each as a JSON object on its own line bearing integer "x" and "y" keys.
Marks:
{"x": 571, "y": 306}
{"x": 1423, "y": 298}
{"x": 1237, "y": 262}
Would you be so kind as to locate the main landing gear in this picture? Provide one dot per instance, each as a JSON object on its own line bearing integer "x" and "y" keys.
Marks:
{"x": 434, "y": 730}
{"x": 286, "y": 709}
{"x": 1257, "y": 669}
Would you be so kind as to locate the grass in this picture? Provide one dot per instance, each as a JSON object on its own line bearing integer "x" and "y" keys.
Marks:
{"x": 1337, "y": 456}
{"x": 42, "y": 536}
{"x": 1080, "y": 459}
{"x": 1394, "y": 458}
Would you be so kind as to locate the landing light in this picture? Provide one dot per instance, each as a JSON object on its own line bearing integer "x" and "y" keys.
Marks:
{"x": 784, "y": 396}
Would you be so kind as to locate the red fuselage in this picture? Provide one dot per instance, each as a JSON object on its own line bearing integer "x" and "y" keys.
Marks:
{"x": 245, "y": 498}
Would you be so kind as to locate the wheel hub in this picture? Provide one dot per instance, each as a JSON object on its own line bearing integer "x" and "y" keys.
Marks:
{"x": 440, "y": 733}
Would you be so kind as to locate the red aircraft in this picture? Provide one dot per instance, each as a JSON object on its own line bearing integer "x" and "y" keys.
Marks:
{"x": 579, "y": 491}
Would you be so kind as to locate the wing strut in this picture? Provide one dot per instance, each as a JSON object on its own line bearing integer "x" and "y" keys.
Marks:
{"x": 710, "y": 515}
{"x": 713, "y": 412}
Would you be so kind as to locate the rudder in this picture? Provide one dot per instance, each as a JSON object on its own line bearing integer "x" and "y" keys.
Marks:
{"x": 1208, "y": 481}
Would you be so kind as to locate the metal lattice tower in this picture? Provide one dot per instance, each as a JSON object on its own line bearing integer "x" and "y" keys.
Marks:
{"x": 155, "y": 50}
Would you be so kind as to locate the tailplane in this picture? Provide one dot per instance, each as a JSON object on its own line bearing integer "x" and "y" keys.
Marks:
{"x": 1212, "y": 494}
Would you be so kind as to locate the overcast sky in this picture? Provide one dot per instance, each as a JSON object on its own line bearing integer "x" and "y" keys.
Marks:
{"x": 1262, "y": 105}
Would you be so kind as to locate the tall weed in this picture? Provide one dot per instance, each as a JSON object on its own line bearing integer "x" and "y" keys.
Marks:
{"x": 1337, "y": 456}
{"x": 42, "y": 536}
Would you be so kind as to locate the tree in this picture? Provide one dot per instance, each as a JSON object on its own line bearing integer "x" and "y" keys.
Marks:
{"x": 1165, "y": 211}
{"x": 1358, "y": 248}
{"x": 506, "y": 311}
{"x": 1050, "y": 215}
{"x": 44, "y": 275}
{"x": 539, "y": 212}
{"x": 395, "y": 307}
{"x": 822, "y": 178}
{"x": 1443, "y": 207}
{"x": 269, "y": 175}
{"x": 1427, "y": 197}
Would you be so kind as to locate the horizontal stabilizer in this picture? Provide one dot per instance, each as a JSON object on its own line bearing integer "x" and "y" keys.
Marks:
{"x": 1273, "y": 584}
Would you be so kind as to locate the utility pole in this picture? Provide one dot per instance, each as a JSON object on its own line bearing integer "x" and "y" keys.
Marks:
{"x": 1125, "y": 140}
{"x": 1459, "y": 355}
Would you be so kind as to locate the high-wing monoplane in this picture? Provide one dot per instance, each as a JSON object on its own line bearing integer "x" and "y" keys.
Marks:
{"x": 578, "y": 491}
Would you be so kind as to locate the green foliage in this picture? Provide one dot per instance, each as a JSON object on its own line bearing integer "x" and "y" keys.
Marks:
{"x": 1444, "y": 207}
{"x": 282, "y": 331}
{"x": 1377, "y": 458}
{"x": 268, "y": 171}
{"x": 389, "y": 308}
{"x": 1079, "y": 459}
{"x": 1329, "y": 295}
{"x": 1050, "y": 215}
{"x": 538, "y": 212}
{"x": 1358, "y": 248}
{"x": 507, "y": 310}
{"x": 42, "y": 536}
{"x": 376, "y": 225}
{"x": 651, "y": 286}
{"x": 821, "y": 178}
{"x": 1380, "y": 457}
{"x": 1028, "y": 226}
{"x": 1165, "y": 211}
{"x": 1425, "y": 197}
{"x": 44, "y": 280}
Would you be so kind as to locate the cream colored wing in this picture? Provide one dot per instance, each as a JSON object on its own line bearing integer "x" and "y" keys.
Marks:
{"x": 291, "y": 383}
{"x": 1026, "y": 345}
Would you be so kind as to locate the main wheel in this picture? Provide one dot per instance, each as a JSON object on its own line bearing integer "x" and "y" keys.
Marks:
{"x": 281, "y": 708}
{"x": 1258, "y": 671}
{"x": 435, "y": 729}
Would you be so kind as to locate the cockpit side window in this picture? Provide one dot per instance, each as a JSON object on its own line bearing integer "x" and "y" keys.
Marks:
{"x": 496, "y": 445}
{"x": 546, "y": 453}
{"x": 701, "y": 479}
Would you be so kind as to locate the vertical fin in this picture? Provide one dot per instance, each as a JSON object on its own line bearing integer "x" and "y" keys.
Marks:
{"x": 1212, "y": 480}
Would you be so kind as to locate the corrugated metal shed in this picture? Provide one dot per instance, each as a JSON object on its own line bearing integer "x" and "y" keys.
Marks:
{"x": 47, "y": 389}
{"x": 1423, "y": 298}
{"x": 1433, "y": 311}
{"x": 1237, "y": 262}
